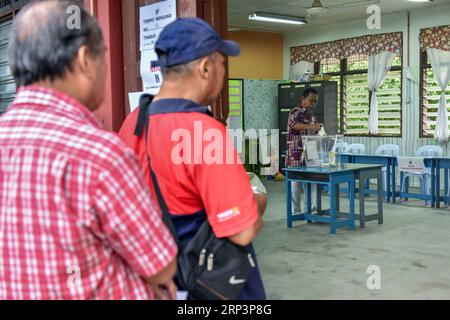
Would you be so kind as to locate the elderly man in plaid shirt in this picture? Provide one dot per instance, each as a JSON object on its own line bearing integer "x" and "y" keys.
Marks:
{"x": 76, "y": 217}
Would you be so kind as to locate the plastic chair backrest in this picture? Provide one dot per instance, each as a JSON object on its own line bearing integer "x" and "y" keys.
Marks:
{"x": 341, "y": 147}
{"x": 388, "y": 149}
{"x": 429, "y": 151}
{"x": 356, "y": 148}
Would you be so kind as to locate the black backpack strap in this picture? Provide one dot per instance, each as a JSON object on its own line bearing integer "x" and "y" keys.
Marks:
{"x": 144, "y": 102}
{"x": 144, "y": 122}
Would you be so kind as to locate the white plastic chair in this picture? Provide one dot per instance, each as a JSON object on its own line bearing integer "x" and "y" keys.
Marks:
{"x": 424, "y": 178}
{"x": 356, "y": 148}
{"x": 387, "y": 149}
{"x": 429, "y": 151}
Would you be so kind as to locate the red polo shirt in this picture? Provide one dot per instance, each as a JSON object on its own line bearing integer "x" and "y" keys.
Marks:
{"x": 204, "y": 180}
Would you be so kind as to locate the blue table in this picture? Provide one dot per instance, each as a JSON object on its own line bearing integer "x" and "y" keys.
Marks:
{"x": 391, "y": 164}
{"x": 442, "y": 163}
{"x": 331, "y": 178}
{"x": 385, "y": 160}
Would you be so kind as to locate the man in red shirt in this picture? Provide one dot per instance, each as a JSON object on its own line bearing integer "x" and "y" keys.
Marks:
{"x": 197, "y": 167}
{"x": 76, "y": 217}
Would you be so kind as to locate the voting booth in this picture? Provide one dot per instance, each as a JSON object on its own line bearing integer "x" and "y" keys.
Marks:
{"x": 320, "y": 151}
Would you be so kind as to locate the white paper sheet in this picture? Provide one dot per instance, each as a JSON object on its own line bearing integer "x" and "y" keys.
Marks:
{"x": 151, "y": 77}
{"x": 153, "y": 18}
{"x": 133, "y": 98}
{"x": 411, "y": 164}
{"x": 311, "y": 151}
{"x": 182, "y": 295}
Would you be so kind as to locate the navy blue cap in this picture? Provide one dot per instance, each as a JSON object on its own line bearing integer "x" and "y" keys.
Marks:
{"x": 189, "y": 39}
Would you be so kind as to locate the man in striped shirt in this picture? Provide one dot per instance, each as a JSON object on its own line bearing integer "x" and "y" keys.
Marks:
{"x": 76, "y": 217}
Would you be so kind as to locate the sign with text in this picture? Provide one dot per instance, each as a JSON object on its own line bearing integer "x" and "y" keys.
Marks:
{"x": 412, "y": 164}
{"x": 153, "y": 18}
{"x": 151, "y": 76}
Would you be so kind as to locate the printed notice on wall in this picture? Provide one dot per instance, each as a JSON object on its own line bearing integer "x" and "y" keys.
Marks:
{"x": 151, "y": 76}
{"x": 153, "y": 18}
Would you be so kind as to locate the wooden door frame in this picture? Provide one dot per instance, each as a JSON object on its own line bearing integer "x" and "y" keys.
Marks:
{"x": 212, "y": 11}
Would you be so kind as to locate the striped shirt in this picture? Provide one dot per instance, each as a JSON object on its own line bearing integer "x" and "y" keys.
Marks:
{"x": 76, "y": 218}
{"x": 294, "y": 144}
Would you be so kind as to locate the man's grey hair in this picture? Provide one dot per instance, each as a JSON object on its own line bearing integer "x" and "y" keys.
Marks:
{"x": 43, "y": 47}
{"x": 182, "y": 69}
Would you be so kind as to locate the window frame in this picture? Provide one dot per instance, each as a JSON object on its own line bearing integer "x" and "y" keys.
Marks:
{"x": 424, "y": 66}
{"x": 344, "y": 72}
{"x": 241, "y": 80}
{"x": 9, "y": 12}
{"x": 12, "y": 9}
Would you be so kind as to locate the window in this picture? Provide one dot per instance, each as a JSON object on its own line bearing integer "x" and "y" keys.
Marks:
{"x": 389, "y": 97}
{"x": 10, "y": 5}
{"x": 236, "y": 104}
{"x": 430, "y": 95}
{"x": 332, "y": 67}
{"x": 354, "y": 96}
{"x": 7, "y": 84}
{"x": 355, "y": 105}
{"x": 8, "y": 8}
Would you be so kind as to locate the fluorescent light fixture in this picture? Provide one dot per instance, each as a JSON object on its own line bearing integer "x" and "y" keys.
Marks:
{"x": 271, "y": 17}
{"x": 359, "y": 3}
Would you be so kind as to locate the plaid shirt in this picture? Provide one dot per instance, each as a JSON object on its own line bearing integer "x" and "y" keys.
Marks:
{"x": 76, "y": 219}
{"x": 294, "y": 144}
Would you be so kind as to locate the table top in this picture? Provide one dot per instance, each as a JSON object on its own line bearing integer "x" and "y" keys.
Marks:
{"x": 390, "y": 156}
{"x": 329, "y": 170}
{"x": 367, "y": 155}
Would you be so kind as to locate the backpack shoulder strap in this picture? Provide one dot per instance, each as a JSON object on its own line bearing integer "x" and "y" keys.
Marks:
{"x": 143, "y": 122}
{"x": 144, "y": 103}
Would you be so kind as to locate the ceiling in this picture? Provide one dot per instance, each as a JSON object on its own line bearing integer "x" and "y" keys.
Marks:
{"x": 339, "y": 11}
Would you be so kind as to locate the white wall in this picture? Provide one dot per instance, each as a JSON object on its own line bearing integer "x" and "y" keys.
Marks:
{"x": 419, "y": 19}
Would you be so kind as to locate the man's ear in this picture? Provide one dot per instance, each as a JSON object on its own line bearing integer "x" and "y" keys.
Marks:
{"x": 204, "y": 68}
{"x": 84, "y": 62}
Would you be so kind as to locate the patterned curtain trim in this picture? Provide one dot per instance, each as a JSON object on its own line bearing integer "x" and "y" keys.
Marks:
{"x": 437, "y": 38}
{"x": 341, "y": 49}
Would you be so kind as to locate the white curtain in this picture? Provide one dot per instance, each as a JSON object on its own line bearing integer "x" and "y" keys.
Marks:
{"x": 411, "y": 86}
{"x": 379, "y": 66}
{"x": 440, "y": 61}
{"x": 298, "y": 70}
